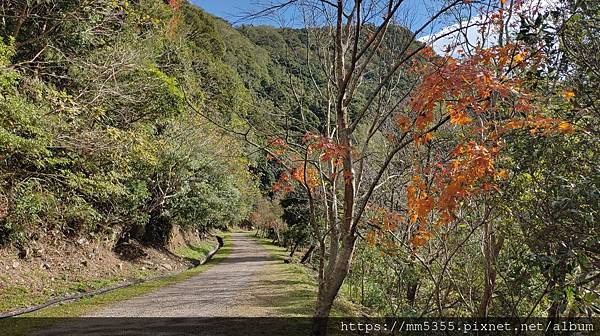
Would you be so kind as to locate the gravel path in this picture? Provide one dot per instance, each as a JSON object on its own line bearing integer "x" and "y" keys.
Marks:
{"x": 218, "y": 291}
{"x": 196, "y": 306}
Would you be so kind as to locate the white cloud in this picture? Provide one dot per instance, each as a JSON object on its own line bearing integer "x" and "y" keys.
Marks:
{"x": 466, "y": 34}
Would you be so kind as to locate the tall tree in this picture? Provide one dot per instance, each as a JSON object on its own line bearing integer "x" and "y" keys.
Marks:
{"x": 385, "y": 97}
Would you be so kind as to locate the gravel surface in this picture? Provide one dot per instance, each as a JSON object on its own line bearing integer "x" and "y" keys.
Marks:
{"x": 216, "y": 292}
{"x": 214, "y": 302}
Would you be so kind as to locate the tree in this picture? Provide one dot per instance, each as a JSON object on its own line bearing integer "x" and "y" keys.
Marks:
{"x": 95, "y": 132}
{"x": 374, "y": 132}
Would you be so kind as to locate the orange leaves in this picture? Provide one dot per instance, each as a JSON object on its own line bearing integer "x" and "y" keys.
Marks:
{"x": 298, "y": 174}
{"x": 371, "y": 238}
{"x": 403, "y": 123}
{"x": 283, "y": 183}
{"x": 392, "y": 220}
{"x": 490, "y": 87}
{"x": 332, "y": 151}
{"x": 565, "y": 127}
{"x": 421, "y": 237}
{"x": 418, "y": 201}
{"x": 568, "y": 95}
{"x": 311, "y": 175}
{"x": 384, "y": 221}
{"x": 391, "y": 137}
{"x": 422, "y": 139}
{"x": 424, "y": 205}
{"x": 329, "y": 150}
{"x": 470, "y": 171}
{"x": 301, "y": 166}
{"x": 424, "y": 118}
{"x": 469, "y": 87}
{"x": 519, "y": 57}
{"x": 411, "y": 196}
{"x": 310, "y": 137}
{"x": 459, "y": 117}
{"x": 473, "y": 164}
{"x": 501, "y": 175}
{"x": 549, "y": 126}
{"x": 175, "y": 4}
{"x": 538, "y": 126}
{"x": 277, "y": 143}
{"x": 427, "y": 52}
{"x": 348, "y": 177}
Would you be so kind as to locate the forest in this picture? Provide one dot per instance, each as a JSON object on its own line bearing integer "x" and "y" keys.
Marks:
{"x": 453, "y": 174}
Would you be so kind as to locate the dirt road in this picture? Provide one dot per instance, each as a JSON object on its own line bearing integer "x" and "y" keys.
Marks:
{"x": 219, "y": 291}
{"x": 215, "y": 302}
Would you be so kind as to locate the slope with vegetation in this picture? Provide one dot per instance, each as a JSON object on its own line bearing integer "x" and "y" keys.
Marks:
{"x": 100, "y": 150}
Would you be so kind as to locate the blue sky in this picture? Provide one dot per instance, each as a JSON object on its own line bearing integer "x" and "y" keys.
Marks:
{"x": 233, "y": 10}
{"x": 227, "y": 9}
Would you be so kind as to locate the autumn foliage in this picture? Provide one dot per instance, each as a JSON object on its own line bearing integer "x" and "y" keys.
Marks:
{"x": 174, "y": 21}
{"x": 485, "y": 96}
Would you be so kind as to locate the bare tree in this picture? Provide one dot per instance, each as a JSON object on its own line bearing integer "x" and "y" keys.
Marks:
{"x": 353, "y": 39}
{"x": 349, "y": 41}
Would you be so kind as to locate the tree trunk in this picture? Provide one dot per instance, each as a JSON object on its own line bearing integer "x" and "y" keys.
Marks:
{"x": 411, "y": 292}
{"x": 491, "y": 249}
{"x": 331, "y": 285}
{"x": 294, "y": 249}
{"x": 325, "y": 303}
{"x": 307, "y": 254}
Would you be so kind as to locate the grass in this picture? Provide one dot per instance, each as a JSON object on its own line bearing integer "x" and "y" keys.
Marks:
{"x": 13, "y": 297}
{"x": 197, "y": 252}
{"x": 39, "y": 319}
{"x": 292, "y": 288}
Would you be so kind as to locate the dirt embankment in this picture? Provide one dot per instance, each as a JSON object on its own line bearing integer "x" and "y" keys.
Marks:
{"x": 55, "y": 265}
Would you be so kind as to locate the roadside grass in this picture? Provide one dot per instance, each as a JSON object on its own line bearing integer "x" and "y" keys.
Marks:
{"x": 14, "y": 296}
{"x": 293, "y": 287}
{"x": 20, "y": 295}
{"x": 197, "y": 252}
{"x": 44, "y": 317}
